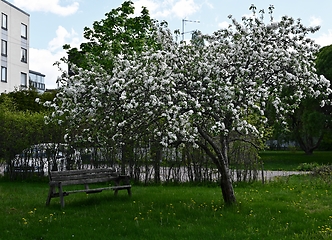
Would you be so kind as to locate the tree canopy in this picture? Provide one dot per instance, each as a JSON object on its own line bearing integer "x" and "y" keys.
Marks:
{"x": 311, "y": 123}
{"x": 22, "y": 123}
{"x": 119, "y": 33}
{"x": 206, "y": 95}
{"x": 324, "y": 62}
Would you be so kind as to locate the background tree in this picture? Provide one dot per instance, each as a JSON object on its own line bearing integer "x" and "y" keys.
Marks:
{"x": 18, "y": 130}
{"x": 324, "y": 67}
{"x": 206, "y": 96}
{"x": 25, "y": 100}
{"x": 324, "y": 62}
{"x": 22, "y": 124}
{"x": 308, "y": 125}
{"x": 119, "y": 33}
{"x": 311, "y": 123}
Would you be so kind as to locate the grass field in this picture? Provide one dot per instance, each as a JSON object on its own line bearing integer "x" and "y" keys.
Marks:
{"x": 290, "y": 160}
{"x": 297, "y": 207}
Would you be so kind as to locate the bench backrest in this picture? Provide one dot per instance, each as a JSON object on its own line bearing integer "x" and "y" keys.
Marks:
{"x": 83, "y": 176}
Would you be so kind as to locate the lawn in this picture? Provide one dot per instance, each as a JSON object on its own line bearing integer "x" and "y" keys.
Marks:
{"x": 297, "y": 207}
{"x": 290, "y": 160}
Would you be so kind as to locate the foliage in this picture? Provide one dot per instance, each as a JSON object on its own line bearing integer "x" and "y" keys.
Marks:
{"x": 325, "y": 170}
{"x": 119, "y": 33}
{"x": 18, "y": 130}
{"x": 307, "y": 166}
{"x": 324, "y": 62}
{"x": 25, "y": 100}
{"x": 207, "y": 96}
{"x": 310, "y": 124}
{"x": 288, "y": 208}
{"x": 290, "y": 161}
{"x": 22, "y": 123}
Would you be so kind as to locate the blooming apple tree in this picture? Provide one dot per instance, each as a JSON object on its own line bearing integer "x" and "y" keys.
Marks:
{"x": 196, "y": 94}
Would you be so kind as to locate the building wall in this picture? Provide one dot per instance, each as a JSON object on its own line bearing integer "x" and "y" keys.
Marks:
{"x": 15, "y": 43}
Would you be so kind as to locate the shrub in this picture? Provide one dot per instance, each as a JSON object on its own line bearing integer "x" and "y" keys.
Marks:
{"x": 307, "y": 166}
{"x": 325, "y": 170}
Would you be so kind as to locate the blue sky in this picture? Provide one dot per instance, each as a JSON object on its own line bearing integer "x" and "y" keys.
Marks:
{"x": 57, "y": 22}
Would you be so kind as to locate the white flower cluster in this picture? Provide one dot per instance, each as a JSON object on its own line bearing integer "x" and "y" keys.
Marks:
{"x": 223, "y": 86}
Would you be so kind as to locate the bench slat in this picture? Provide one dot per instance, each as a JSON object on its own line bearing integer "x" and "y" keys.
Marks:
{"x": 73, "y": 173}
{"x": 77, "y": 177}
{"x": 68, "y": 181}
{"x": 82, "y": 171}
{"x": 95, "y": 190}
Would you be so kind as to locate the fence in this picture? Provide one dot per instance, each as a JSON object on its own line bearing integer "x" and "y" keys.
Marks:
{"x": 148, "y": 163}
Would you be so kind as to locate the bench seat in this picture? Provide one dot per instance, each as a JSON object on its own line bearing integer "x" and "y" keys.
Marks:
{"x": 59, "y": 179}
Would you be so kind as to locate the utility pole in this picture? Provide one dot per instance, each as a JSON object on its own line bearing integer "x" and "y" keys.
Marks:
{"x": 183, "y": 23}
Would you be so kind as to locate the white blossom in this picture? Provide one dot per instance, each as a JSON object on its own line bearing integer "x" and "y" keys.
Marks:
{"x": 236, "y": 75}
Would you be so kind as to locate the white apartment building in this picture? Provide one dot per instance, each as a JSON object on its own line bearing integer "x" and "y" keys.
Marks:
{"x": 14, "y": 47}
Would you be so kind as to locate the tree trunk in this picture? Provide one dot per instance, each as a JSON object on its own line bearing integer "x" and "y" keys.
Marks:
{"x": 219, "y": 156}
{"x": 226, "y": 181}
{"x": 227, "y": 188}
{"x": 308, "y": 144}
{"x": 156, "y": 154}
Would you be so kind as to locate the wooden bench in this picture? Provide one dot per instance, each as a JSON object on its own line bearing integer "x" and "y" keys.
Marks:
{"x": 58, "y": 179}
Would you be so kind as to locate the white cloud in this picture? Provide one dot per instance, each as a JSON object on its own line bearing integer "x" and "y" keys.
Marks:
{"x": 168, "y": 8}
{"x": 210, "y": 5}
{"x": 42, "y": 60}
{"x": 223, "y": 25}
{"x": 315, "y": 21}
{"x": 62, "y": 36}
{"x": 184, "y": 8}
{"x": 52, "y": 6}
{"x": 324, "y": 39}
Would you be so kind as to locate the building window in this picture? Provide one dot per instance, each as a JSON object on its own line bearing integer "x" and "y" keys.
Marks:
{"x": 3, "y": 74}
{"x": 3, "y": 48}
{"x": 4, "y": 21}
{"x": 24, "y": 31}
{"x": 23, "y": 79}
{"x": 24, "y": 55}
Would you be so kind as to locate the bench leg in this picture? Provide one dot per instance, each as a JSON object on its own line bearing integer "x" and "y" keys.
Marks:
{"x": 129, "y": 191}
{"x": 50, "y": 194}
{"x": 62, "y": 200}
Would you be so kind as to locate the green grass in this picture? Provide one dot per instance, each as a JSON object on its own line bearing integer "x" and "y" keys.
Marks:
{"x": 290, "y": 160}
{"x": 297, "y": 207}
